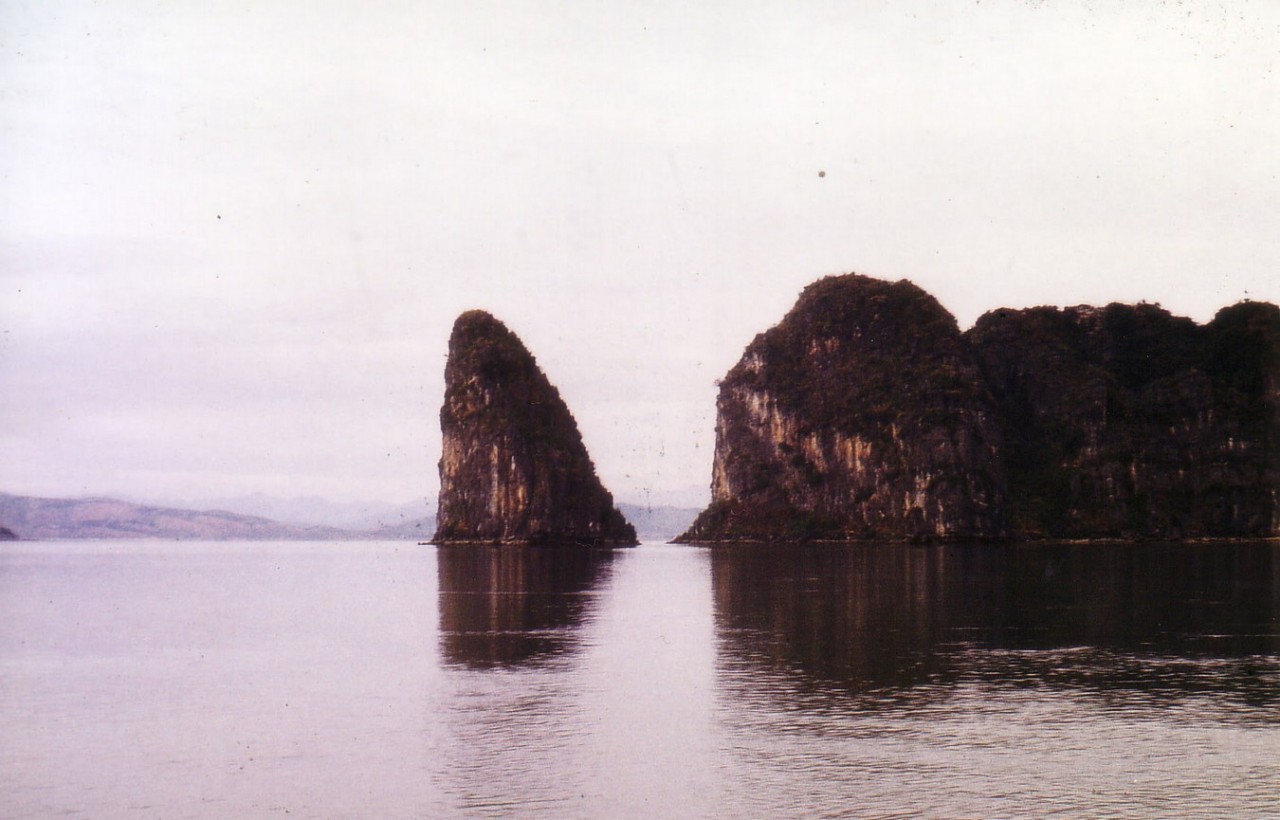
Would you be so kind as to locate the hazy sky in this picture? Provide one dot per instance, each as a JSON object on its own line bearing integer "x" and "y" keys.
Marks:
{"x": 234, "y": 235}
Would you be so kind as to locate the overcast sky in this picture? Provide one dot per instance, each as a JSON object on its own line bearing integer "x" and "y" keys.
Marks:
{"x": 234, "y": 235}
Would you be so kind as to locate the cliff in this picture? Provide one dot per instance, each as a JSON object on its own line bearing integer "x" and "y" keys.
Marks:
{"x": 866, "y": 414}
{"x": 513, "y": 468}
{"x": 860, "y": 415}
{"x": 1128, "y": 422}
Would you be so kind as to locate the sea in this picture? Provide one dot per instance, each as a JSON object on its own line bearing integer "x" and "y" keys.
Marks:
{"x": 157, "y": 679}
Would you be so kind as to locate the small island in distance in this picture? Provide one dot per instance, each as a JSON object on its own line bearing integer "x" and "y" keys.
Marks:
{"x": 866, "y": 414}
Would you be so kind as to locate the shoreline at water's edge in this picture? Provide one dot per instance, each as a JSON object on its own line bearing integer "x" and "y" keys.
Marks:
{"x": 579, "y": 543}
{"x": 928, "y": 542}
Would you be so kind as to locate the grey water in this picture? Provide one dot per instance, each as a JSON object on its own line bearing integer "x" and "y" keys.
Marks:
{"x": 167, "y": 679}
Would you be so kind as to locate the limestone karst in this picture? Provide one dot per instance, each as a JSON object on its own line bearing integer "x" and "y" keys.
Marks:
{"x": 513, "y": 468}
{"x": 1128, "y": 422}
{"x": 861, "y": 414}
{"x": 866, "y": 414}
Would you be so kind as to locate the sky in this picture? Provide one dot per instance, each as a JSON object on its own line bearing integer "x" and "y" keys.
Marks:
{"x": 234, "y": 236}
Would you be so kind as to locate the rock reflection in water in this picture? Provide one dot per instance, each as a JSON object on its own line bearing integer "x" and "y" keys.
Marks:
{"x": 503, "y": 606}
{"x": 908, "y": 622}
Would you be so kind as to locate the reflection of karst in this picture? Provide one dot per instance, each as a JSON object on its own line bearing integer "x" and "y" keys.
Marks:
{"x": 909, "y": 621}
{"x": 513, "y": 605}
{"x": 513, "y": 468}
{"x": 868, "y": 618}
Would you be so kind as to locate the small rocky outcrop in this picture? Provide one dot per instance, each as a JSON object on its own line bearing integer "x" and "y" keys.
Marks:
{"x": 1128, "y": 422}
{"x": 7, "y": 534}
{"x": 513, "y": 469}
{"x": 860, "y": 415}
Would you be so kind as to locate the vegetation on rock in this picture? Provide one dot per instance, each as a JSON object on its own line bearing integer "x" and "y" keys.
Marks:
{"x": 865, "y": 413}
{"x": 514, "y": 468}
{"x": 1128, "y": 422}
{"x": 860, "y": 415}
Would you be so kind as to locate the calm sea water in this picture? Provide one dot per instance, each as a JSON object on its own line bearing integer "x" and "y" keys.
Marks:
{"x": 150, "y": 679}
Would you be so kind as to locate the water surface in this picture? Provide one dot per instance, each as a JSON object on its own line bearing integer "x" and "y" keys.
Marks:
{"x": 160, "y": 679}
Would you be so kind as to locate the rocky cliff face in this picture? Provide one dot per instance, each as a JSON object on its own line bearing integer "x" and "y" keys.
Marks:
{"x": 513, "y": 467}
{"x": 1128, "y": 422}
{"x": 860, "y": 415}
{"x": 866, "y": 414}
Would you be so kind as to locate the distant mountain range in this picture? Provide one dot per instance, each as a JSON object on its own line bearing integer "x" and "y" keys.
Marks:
{"x": 51, "y": 519}
{"x": 67, "y": 518}
{"x": 658, "y": 523}
{"x": 312, "y": 510}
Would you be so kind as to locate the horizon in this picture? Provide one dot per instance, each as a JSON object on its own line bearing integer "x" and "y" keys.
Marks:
{"x": 235, "y": 240}
{"x": 212, "y": 503}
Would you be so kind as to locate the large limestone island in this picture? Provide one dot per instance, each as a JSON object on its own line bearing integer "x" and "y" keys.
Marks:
{"x": 861, "y": 415}
{"x": 514, "y": 469}
{"x": 866, "y": 414}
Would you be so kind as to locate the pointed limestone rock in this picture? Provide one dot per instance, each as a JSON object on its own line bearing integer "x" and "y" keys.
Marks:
{"x": 514, "y": 469}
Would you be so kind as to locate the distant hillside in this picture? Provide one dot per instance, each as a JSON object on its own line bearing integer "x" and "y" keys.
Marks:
{"x": 72, "y": 518}
{"x": 312, "y": 510}
{"x": 416, "y": 529}
{"x": 658, "y": 523}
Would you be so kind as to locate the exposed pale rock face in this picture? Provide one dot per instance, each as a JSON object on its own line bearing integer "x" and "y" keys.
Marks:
{"x": 860, "y": 415}
{"x": 1128, "y": 422}
{"x": 866, "y": 414}
{"x": 513, "y": 467}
